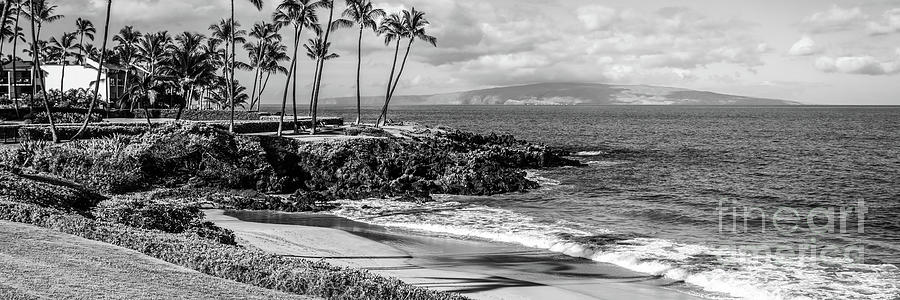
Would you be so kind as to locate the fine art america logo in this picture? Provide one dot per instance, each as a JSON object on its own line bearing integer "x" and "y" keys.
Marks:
{"x": 811, "y": 225}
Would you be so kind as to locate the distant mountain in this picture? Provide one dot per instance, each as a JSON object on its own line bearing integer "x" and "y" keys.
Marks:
{"x": 571, "y": 94}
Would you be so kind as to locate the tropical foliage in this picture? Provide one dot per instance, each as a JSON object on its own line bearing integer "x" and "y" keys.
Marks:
{"x": 196, "y": 70}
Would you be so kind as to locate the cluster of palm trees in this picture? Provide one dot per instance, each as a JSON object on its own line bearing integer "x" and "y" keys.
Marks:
{"x": 193, "y": 70}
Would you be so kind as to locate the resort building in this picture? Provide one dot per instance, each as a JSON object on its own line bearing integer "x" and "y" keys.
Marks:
{"x": 77, "y": 76}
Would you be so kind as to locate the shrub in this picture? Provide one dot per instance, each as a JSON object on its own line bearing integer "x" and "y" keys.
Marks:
{"x": 367, "y": 131}
{"x": 107, "y": 165}
{"x": 135, "y": 211}
{"x": 62, "y": 118}
{"x": 47, "y": 192}
{"x": 94, "y": 131}
{"x": 229, "y": 262}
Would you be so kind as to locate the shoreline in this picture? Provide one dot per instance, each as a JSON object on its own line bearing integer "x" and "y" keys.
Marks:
{"x": 476, "y": 269}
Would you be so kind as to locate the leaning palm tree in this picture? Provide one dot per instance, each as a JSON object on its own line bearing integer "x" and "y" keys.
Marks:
{"x": 414, "y": 25}
{"x": 320, "y": 66}
{"x": 300, "y": 14}
{"x": 84, "y": 28}
{"x": 87, "y": 117}
{"x": 362, "y": 13}
{"x": 265, "y": 34}
{"x": 40, "y": 13}
{"x": 15, "y": 35}
{"x": 65, "y": 47}
{"x": 258, "y": 5}
{"x": 37, "y": 66}
{"x": 271, "y": 64}
{"x": 392, "y": 29}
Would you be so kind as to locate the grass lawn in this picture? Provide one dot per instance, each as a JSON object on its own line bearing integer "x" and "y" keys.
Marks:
{"x": 38, "y": 263}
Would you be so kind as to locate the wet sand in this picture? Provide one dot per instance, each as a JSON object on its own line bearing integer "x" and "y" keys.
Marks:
{"x": 478, "y": 269}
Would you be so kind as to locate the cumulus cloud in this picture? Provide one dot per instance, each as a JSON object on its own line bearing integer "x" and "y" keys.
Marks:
{"x": 890, "y": 23}
{"x": 804, "y": 47}
{"x": 864, "y": 65}
{"x": 835, "y": 19}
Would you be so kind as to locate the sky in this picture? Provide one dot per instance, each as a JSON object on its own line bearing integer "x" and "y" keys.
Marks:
{"x": 813, "y": 51}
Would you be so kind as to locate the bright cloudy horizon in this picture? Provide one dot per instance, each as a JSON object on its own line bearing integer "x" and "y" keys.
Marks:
{"x": 838, "y": 52}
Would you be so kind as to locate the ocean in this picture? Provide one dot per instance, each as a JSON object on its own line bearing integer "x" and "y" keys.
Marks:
{"x": 732, "y": 202}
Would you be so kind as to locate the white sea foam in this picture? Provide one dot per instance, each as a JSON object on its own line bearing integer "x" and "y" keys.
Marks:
{"x": 541, "y": 180}
{"x": 589, "y": 153}
{"x": 720, "y": 272}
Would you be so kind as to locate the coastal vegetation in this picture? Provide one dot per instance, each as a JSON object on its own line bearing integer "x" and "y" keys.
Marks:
{"x": 192, "y": 250}
{"x": 193, "y": 70}
{"x": 144, "y": 192}
{"x": 205, "y": 156}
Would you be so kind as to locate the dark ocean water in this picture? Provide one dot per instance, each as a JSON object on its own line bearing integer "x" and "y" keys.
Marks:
{"x": 747, "y": 202}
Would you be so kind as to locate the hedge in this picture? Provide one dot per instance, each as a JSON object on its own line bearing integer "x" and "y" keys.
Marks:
{"x": 108, "y": 129}
{"x": 93, "y": 131}
{"x": 298, "y": 276}
{"x": 191, "y": 114}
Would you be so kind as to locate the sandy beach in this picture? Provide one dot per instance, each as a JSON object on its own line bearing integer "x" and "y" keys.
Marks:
{"x": 481, "y": 270}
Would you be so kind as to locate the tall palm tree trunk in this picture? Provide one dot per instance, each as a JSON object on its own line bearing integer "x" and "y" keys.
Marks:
{"x": 256, "y": 77}
{"x": 62, "y": 81}
{"x": 312, "y": 92}
{"x": 265, "y": 83}
{"x": 14, "y": 94}
{"x": 87, "y": 118}
{"x": 400, "y": 73}
{"x": 318, "y": 81}
{"x": 287, "y": 85}
{"x": 387, "y": 93}
{"x": 231, "y": 80}
{"x": 296, "y": 67}
{"x": 37, "y": 69}
{"x": 3, "y": 16}
{"x": 358, "y": 72}
{"x": 81, "y": 48}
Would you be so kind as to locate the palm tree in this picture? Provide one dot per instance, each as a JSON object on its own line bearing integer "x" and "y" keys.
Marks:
{"x": 300, "y": 14}
{"x": 189, "y": 64}
{"x": 90, "y": 110}
{"x": 362, "y": 13}
{"x": 153, "y": 49}
{"x": 392, "y": 29}
{"x": 258, "y": 5}
{"x": 265, "y": 34}
{"x": 84, "y": 28}
{"x": 8, "y": 30}
{"x": 271, "y": 64}
{"x": 127, "y": 50}
{"x": 40, "y": 13}
{"x": 320, "y": 66}
{"x": 317, "y": 49}
{"x": 37, "y": 66}
{"x": 14, "y": 35}
{"x": 144, "y": 91}
{"x": 414, "y": 25}
{"x": 64, "y": 47}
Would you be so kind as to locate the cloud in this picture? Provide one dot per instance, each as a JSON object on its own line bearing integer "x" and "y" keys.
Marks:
{"x": 863, "y": 65}
{"x": 806, "y": 46}
{"x": 890, "y": 23}
{"x": 517, "y": 45}
{"x": 835, "y": 19}
{"x": 596, "y": 17}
